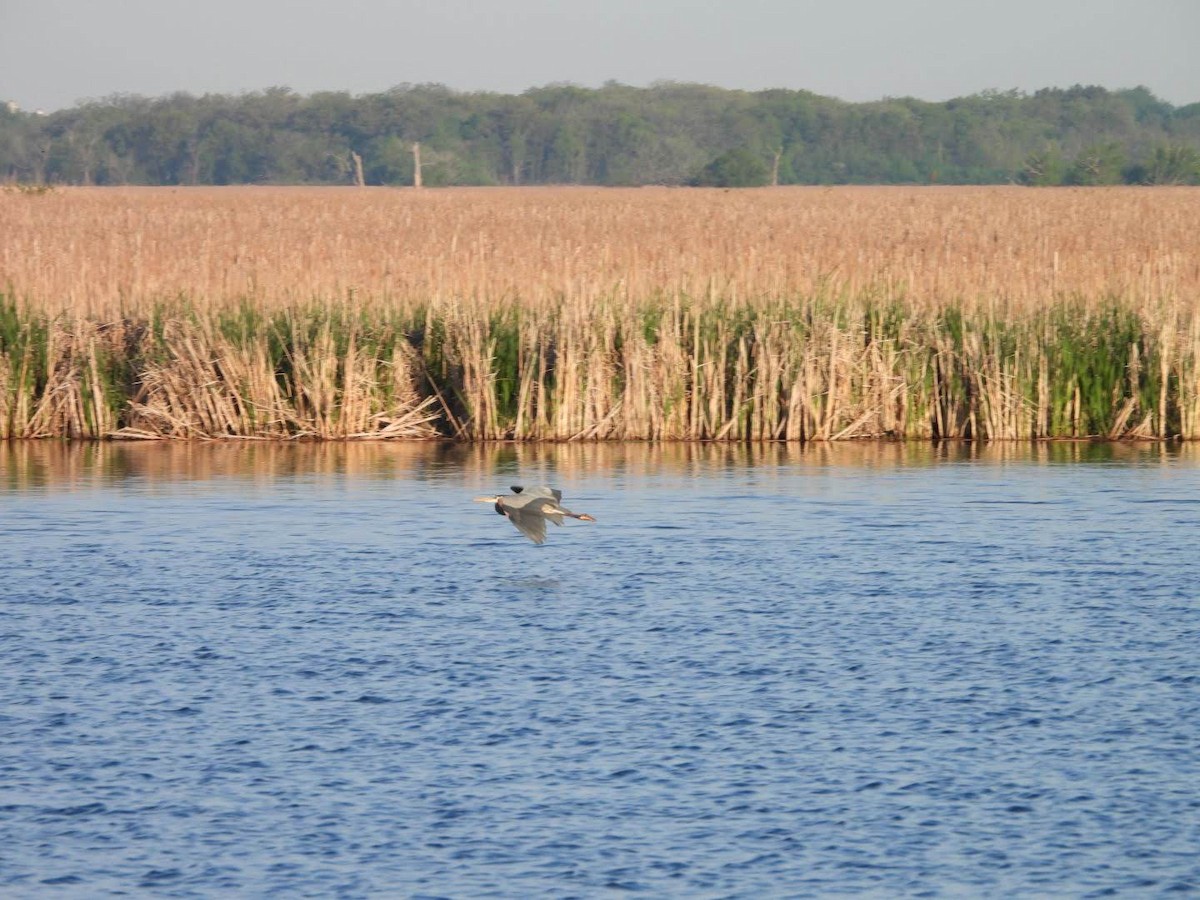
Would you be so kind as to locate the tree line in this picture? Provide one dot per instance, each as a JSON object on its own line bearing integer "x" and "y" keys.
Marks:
{"x": 668, "y": 133}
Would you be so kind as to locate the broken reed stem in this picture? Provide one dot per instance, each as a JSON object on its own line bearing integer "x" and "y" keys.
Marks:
{"x": 673, "y": 368}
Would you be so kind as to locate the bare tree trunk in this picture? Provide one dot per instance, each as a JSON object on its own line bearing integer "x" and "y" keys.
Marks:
{"x": 416, "y": 164}
{"x": 358, "y": 172}
{"x": 775, "y": 167}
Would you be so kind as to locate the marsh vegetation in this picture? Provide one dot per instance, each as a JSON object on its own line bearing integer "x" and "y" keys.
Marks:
{"x": 589, "y": 314}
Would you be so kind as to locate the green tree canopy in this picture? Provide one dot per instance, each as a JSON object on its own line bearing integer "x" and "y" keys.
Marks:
{"x": 668, "y": 133}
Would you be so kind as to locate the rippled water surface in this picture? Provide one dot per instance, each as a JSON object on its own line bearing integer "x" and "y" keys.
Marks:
{"x": 324, "y": 671}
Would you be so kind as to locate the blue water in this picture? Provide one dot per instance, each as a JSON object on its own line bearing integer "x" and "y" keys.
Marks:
{"x": 883, "y": 670}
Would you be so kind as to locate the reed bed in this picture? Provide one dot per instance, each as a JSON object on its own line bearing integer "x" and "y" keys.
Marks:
{"x": 800, "y": 314}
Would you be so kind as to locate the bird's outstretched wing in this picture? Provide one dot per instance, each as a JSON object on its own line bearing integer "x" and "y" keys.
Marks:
{"x": 541, "y": 491}
{"x": 530, "y": 522}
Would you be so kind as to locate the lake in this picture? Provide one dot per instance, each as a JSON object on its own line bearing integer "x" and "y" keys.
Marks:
{"x": 321, "y": 670}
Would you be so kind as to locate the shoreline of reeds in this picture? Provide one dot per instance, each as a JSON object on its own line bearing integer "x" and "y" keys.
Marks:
{"x": 821, "y": 367}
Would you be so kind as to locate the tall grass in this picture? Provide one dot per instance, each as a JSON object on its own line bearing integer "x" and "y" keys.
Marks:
{"x": 802, "y": 315}
{"x": 802, "y": 369}
{"x": 178, "y": 374}
{"x": 110, "y": 252}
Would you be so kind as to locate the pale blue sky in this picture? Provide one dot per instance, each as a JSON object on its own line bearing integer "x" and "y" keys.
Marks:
{"x": 56, "y": 52}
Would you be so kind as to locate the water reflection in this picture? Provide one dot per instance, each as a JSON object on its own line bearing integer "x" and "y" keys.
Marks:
{"x": 57, "y": 465}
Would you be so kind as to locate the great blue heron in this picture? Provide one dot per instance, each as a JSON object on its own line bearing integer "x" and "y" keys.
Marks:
{"x": 530, "y": 509}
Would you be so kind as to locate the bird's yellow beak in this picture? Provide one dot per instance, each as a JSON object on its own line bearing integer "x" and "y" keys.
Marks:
{"x": 487, "y": 499}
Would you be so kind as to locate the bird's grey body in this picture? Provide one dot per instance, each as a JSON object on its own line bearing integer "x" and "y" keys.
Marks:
{"x": 530, "y": 508}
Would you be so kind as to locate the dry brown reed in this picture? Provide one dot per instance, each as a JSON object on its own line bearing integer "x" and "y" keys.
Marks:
{"x": 115, "y": 251}
{"x": 209, "y": 385}
{"x": 51, "y": 384}
{"x": 80, "y": 379}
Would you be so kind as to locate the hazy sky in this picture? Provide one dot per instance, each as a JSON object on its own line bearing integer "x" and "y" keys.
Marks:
{"x": 56, "y": 52}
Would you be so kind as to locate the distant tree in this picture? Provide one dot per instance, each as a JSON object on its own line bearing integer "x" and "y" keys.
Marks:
{"x": 1147, "y": 109}
{"x": 1043, "y": 168}
{"x": 388, "y": 160}
{"x": 1097, "y": 164}
{"x": 566, "y": 155}
{"x": 735, "y": 168}
{"x": 1171, "y": 164}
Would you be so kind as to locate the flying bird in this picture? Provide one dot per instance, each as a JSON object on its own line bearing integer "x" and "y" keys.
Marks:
{"x": 529, "y": 510}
